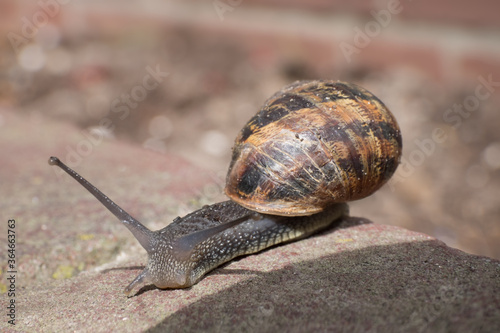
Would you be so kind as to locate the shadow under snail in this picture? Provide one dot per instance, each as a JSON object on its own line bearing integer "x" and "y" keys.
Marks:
{"x": 312, "y": 147}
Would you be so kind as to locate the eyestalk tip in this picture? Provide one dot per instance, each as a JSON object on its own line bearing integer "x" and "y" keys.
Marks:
{"x": 54, "y": 161}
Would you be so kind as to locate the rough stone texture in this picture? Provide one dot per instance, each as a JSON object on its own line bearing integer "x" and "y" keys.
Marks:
{"x": 358, "y": 276}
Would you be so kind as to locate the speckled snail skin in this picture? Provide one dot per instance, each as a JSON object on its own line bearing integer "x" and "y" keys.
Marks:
{"x": 313, "y": 146}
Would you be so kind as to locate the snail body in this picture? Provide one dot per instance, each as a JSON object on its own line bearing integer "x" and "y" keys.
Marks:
{"x": 312, "y": 147}
{"x": 191, "y": 246}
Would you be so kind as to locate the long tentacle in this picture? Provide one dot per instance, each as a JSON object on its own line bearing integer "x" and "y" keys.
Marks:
{"x": 143, "y": 234}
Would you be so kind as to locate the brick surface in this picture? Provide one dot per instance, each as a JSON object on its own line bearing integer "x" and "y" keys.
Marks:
{"x": 383, "y": 55}
{"x": 473, "y": 65}
{"x": 74, "y": 259}
{"x": 477, "y": 13}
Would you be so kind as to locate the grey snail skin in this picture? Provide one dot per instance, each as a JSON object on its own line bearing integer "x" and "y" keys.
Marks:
{"x": 314, "y": 146}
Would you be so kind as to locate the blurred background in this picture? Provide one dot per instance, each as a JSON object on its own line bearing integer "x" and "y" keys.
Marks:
{"x": 182, "y": 77}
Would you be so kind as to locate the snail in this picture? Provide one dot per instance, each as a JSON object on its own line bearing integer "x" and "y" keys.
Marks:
{"x": 313, "y": 147}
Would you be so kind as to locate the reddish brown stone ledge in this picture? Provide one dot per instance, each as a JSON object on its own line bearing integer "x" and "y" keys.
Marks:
{"x": 358, "y": 276}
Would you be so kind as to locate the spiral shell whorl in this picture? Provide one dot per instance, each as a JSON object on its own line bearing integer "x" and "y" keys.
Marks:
{"x": 313, "y": 144}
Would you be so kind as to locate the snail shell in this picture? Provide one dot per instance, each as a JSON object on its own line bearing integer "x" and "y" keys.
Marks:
{"x": 314, "y": 143}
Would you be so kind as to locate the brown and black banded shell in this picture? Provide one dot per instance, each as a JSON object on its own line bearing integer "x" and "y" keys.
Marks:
{"x": 313, "y": 144}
